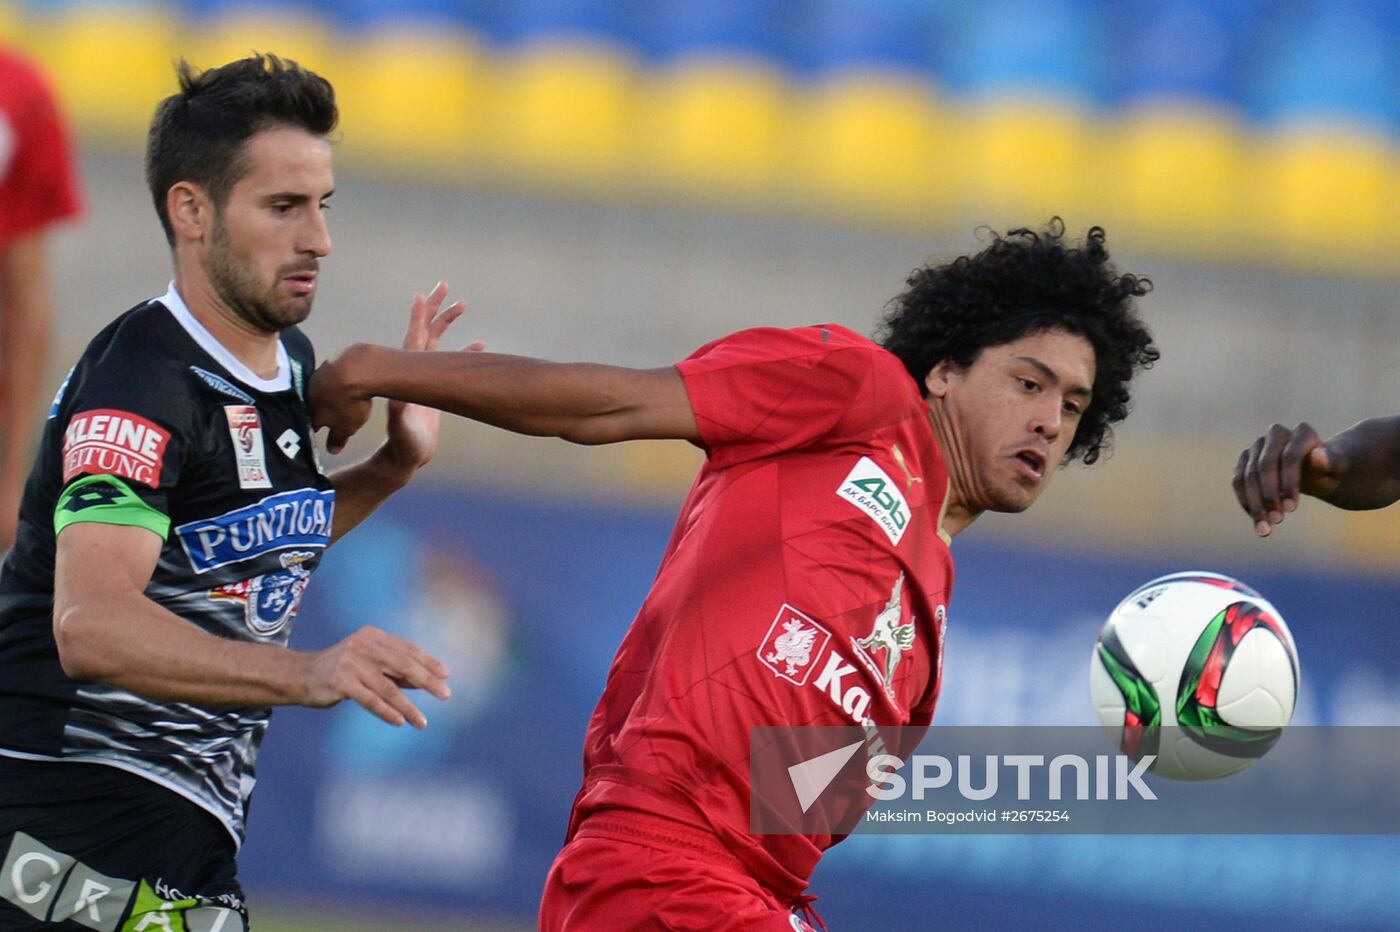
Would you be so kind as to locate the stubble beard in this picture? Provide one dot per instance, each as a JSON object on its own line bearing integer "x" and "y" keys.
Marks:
{"x": 1013, "y": 499}
{"x": 237, "y": 286}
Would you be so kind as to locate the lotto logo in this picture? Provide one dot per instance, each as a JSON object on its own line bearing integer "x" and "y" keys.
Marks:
{"x": 118, "y": 443}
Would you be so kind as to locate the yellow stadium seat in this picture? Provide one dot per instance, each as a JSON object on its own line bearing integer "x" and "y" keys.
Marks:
{"x": 1327, "y": 196}
{"x": 428, "y": 118}
{"x": 1028, "y": 159}
{"x": 717, "y": 127}
{"x": 110, "y": 65}
{"x": 877, "y": 147}
{"x": 1181, "y": 177}
{"x": 562, "y": 109}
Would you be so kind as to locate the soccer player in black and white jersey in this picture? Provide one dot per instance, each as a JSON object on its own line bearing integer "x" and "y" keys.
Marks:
{"x": 169, "y": 527}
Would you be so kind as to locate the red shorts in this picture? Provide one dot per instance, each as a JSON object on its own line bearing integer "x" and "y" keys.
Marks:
{"x": 604, "y": 883}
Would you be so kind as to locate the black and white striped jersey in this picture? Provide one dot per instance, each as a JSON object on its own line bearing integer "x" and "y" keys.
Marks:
{"x": 158, "y": 426}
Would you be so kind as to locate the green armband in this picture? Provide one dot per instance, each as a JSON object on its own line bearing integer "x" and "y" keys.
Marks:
{"x": 106, "y": 500}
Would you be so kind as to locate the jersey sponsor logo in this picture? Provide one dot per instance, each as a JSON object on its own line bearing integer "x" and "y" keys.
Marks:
{"x": 888, "y": 634}
{"x": 111, "y": 442}
{"x": 58, "y": 395}
{"x": 851, "y": 698}
{"x": 792, "y": 643}
{"x": 871, "y": 489}
{"x": 31, "y": 874}
{"x": 271, "y": 600}
{"x": 92, "y": 899}
{"x": 300, "y": 518}
{"x": 167, "y": 892}
{"x": 220, "y": 384}
{"x": 289, "y": 443}
{"x": 245, "y": 427}
{"x": 160, "y": 908}
{"x": 50, "y": 885}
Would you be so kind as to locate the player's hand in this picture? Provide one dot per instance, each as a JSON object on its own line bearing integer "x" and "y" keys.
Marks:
{"x": 373, "y": 668}
{"x": 338, "y": 403}
{"x": 413, "y": 429}
{"x": 1281, "y": 466}
{"x": 334, "y": 401}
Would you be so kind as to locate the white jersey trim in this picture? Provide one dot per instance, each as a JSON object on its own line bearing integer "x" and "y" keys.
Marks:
{"x": 181, "y": 312}
{"x": 134, "y": 771}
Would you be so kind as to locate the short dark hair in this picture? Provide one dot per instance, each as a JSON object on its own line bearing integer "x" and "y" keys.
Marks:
{"x": 198, "y": 134}
{"x": 1027, "y": 282}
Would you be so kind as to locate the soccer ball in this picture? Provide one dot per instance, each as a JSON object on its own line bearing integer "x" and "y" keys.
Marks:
{"x": 1197, "y": 669}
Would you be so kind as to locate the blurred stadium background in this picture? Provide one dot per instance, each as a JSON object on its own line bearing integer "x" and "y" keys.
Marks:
{"x": 624, "y": 180}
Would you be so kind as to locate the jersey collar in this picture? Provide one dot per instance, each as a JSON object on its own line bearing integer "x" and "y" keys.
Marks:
{"x": 181, "y": 312}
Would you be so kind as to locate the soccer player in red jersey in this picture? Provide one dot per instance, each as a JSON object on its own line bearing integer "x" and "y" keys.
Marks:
{"x": 808, "y": 577}
{"x": 38, "y": 188}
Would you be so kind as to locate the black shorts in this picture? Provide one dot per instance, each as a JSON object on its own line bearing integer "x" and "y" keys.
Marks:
{"x": 87, "y": 846}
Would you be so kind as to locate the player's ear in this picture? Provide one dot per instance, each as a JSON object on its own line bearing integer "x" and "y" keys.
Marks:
{"x": 940, "y": 377}
{"x": 190, "y": 210}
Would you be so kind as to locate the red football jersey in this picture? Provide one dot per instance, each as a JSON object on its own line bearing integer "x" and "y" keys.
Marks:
{"x": 805, "y": 584}
{"x": 36, "y": 172}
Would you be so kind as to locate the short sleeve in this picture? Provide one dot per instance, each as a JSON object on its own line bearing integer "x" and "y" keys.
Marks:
{"x": 768, "y": 391}
{"x": 121, "y": 450}
{"x": 37, "y": 183}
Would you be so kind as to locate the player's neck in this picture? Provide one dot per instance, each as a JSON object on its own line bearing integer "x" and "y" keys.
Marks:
{"x": 957, "y": 513}
{"x": 256, "y": 349}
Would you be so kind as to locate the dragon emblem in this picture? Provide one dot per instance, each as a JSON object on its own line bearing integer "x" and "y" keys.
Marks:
{"x": 794, "y": 646}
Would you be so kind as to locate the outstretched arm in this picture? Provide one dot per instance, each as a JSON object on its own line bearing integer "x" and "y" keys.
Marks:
{"x": 1358, "y": 469}
{"x": 580, "y": 402}
{"x": 106, "y": 629}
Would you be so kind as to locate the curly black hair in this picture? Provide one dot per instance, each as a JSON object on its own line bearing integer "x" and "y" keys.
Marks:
{"x": 1024, "y": 283}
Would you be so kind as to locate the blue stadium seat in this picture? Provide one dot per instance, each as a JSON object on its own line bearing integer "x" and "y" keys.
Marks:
{"x": 843, "y": 35}
{"x": 1184, "y": 50}
{"x": 526, "y": 21}
{"x": 46, "y": 8}
{"x": 368, "y": 15}
{"x": 1328, "y": 59}
{"x": 215, "y": 9}
{"x": 1052, "y": 47}
{"x": 666, "y": 30}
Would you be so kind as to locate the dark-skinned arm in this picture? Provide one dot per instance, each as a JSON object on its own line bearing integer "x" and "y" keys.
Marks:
{"x": 580, "y": 402}
{"x": 1358, "y": 469}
